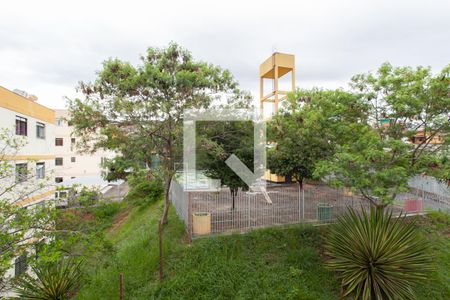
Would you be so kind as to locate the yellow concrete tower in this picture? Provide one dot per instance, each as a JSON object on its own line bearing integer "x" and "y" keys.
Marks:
{"x": 273, "y": 68}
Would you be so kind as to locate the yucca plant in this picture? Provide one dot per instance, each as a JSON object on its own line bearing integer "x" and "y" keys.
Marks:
{"x": 377, "y": 256}
{"x": 55, "y": 281}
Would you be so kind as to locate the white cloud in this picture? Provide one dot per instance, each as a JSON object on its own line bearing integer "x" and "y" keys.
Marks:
{"x": 46, "y": 47}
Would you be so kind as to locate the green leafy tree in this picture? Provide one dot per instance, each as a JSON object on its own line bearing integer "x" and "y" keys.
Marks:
{"x": 19, "y": 226}
{"x": 118, "y": 168}
{"x": 145, "y": 190}
{"x": 138, "y": 110}
{"x": 381, "y": 154}
{"x": 217, "y": 141}
{"x": 308, "y": 129}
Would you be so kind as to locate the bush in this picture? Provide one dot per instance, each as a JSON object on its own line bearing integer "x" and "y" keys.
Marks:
{"x": 376, "y": 256}
{"x": 88, "y": 197}
{"x": 107, "y": 211}
{"x": 144, "y": 191}
{"x": 52, "y": 281}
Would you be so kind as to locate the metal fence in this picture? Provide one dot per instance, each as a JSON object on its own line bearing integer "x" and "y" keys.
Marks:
{"x": 179, "y": 199}
{"x": 213, "y": 212}
{"x": 434, "y": 194}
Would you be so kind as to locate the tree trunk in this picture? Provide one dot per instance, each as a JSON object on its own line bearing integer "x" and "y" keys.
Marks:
{"x": 233, "y": 197}
{"x": 300, "y": 183}
{"x": 381, "y": 206}
{"x": 162, "y": 222}
{"x": 232, "y": 205}
{"x": 161, "y": 251}
{"x": 373, "y": 201}
{"x": 166, "y": 200}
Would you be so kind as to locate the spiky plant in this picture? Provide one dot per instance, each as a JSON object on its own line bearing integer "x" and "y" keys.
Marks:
{"x": 377, "y": 256}
{"x": 55, "y": 281}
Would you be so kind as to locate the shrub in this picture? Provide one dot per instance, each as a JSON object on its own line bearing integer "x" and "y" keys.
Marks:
{"x": 143, "y": 190}
{"x": 52, "y": 281}
{"x": 106, "y": 211}
{"x": 377, "y": 256}
{"x": 87, "y": 197}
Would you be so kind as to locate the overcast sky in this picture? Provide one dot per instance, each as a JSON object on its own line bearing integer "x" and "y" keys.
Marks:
{"x": 46, "y": 47}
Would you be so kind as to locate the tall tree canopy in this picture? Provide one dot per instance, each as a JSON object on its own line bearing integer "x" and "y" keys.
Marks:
{"x": 309, "y": 126}
{"x": 400, "y": 103}
{"x": 138, "y": 110}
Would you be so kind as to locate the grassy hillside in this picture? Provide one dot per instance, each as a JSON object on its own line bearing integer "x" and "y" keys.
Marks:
{"x": 277, "y": 263}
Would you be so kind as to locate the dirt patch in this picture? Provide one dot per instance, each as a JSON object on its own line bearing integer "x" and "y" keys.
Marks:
{"x": 88, "y": 216}
{"x": 119, "y": 220}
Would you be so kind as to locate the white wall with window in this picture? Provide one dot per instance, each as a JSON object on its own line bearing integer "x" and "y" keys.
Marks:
{"x": 70, "y": 163}
{"x": 34, "y": 161}
{"x": 40, "y": 135}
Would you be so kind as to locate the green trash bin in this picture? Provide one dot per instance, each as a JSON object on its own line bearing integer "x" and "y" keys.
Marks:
{"x": 324, "y": 212}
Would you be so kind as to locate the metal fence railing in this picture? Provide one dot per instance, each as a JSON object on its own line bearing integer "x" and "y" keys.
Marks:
{"x": 434, "y": 194}
{"x": 178, "y": 197}
{"x": 213, "y": 212}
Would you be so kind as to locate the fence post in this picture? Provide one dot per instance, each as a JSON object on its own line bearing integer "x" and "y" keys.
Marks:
{"x": 248, "y": 210}
{"x": 121, "y": 286}
{"x": 303, "y": 203}
{"x": 299, "y": 204}
{"x": 189, "y": 216}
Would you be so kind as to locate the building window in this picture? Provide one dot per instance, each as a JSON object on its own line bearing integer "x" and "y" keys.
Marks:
{"x": 72, "y": 159}
{"x": 20, "y": 264}
{"x": 58, "y": 179}
{"x": 59, "y": 142}
{"x": 21, "y": 126}
{"x": 59, "y": 122}
{"x": 21, "y": 172}
{"x": 40, "y": 130}
{"x": 40, "y": 170}
{"x": 72, "y": 143}
{"x": 58, "y": 161}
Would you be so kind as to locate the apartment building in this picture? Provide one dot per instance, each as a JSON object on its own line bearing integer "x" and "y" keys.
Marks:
{"x": 31, "y": 178}
{"x": 69, "y": 163}
{"x": 33, "y": 122}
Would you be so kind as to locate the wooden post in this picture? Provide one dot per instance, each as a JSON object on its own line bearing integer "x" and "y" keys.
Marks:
{"x": 161, "y": 253}
{"x": 121, "y": 286}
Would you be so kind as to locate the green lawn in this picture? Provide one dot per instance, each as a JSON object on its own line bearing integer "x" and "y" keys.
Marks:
{"x": 275, "y": 263}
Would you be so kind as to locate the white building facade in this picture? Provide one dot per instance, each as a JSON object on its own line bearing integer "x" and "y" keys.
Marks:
{"x": 35, "y": 161}
{"x": 70, "y": 164}
{"x": 28, "y": 179}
